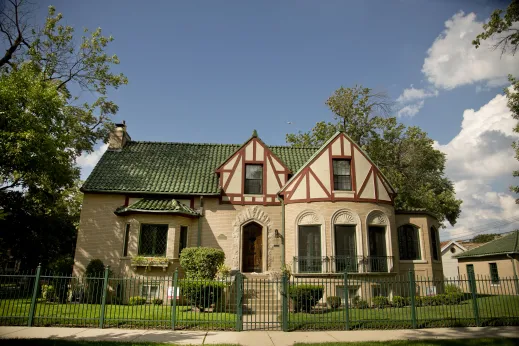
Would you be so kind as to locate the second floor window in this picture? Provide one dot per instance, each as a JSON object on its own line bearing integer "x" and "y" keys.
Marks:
{"x": 341, "y": 175}
{"x": 182, "y": 244}
{"x": 153, "y": 240}
{"x": 254, "y": 179}
{"x": 409, "y": 242}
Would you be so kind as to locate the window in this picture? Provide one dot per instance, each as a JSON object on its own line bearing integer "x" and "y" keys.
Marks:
{"x": 341, "y": 175}
{"x": 494, "y": 274}
{"x": 345, "y": 249}
{"x": 183, "y": 239}
{"x": 150, "y": 291}
{"x": 352, "y": 293}
{"x": 435, "y": 250}
{"x": 470, "y": 270}
{"x": 254, "y": 179}
{"x": 409, "y": 242}
{"x": 153, "y": 240}
{"x": 126, "y": 240}
{"x": 309, "y": 257}
{"x": 453, "y": 250}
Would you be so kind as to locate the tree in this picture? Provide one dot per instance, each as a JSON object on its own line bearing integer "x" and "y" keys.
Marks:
{"x": 404, "y": 154}
{"x": 45, "y": 126}
{"x": 485, "y": 238}
{"x": 504, "y": 29}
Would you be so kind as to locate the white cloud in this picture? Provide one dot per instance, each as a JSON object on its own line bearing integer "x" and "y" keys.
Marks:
{"x": 479, "y": 156}
{"x": 410, "y": 110}
{"x": 87, "y": 161}
{"x": 453, "y": 61}
{"x": 412, "y": 94}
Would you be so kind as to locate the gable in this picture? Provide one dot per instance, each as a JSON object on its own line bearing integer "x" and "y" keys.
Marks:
{"x": 314, "y": 181}
{"x": 232, "y": 174}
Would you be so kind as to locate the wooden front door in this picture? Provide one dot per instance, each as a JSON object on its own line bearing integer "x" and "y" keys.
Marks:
{"x": 252, "y": 248}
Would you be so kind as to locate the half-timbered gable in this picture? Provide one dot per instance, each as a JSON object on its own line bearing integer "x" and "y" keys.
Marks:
{"x": 252, "y": 175}
{"x": 338, "y": 171}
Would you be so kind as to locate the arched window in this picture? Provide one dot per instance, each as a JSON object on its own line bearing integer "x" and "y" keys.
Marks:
{"x": 409, "y": 242}
{"x": 309, "y": 248}
{"x": 345, "y": 226}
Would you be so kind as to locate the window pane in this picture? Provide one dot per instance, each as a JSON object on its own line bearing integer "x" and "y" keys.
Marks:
{"x": 341, "y": 175}
{"x": 434, "y": 243}
{"x": 345, "y": 249}
{"x": 254, "y": 171}
{"x": 153, "y": 240}
{"x": 254, "y": 179}
{"x": 341, "y": 167}
{"x": 183, "y": 239}
{"x": 309, "y": 256}
{"x": 126, "y": 240}
{"x": 494, "y": 274}
{"x": 409, "y": 243}
{"x": 253, "y": 186}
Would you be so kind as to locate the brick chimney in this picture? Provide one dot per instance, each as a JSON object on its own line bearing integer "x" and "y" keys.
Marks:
{"x": 119, "y": 137}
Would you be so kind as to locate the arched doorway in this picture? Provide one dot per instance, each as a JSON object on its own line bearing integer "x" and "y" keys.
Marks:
{"x": 252, "y": 248}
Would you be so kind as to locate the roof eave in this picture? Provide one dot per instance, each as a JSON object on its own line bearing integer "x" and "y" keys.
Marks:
{"x": 488, "y": 254}
{"x": 143, "y": 211}
{"x": 215, "y": 194}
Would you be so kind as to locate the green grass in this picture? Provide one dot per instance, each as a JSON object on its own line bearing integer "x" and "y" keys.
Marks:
{"x": 15, "y": 312}
{"x": 493, "y": 310}
{"x": 436, "y": 342}
{"x": 54, "y": 342}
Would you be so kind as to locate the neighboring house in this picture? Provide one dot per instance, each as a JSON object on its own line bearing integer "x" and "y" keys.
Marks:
{"x": 493, "y": 261}
{"x": 316, "y": 210}
{"x": 449, "y": 250}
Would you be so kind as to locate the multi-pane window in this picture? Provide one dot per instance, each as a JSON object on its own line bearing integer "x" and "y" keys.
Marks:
{"x": 341, "y": 175}
{"x": 345, "y": 248}
{"x": 153, "y": 240}
{"x": 494, "y": 274}
{"x": 126, "y": 240}
{"x": 150, "y": 291}
{"x": 183, "y": 239}
{"x": 409, "y": 243}
{"x": 254, "y": 179}
{"x": 309, "y": 256}
{"x": 435, "y": 249}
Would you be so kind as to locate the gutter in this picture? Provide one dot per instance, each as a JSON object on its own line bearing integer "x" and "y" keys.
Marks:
{"x": 282, "y": 231}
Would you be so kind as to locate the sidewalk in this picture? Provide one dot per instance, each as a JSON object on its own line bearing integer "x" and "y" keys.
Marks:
{"x": 259, "y": 338}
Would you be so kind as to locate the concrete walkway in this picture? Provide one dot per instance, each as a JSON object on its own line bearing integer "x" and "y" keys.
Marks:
{"x": 257, "y": 338}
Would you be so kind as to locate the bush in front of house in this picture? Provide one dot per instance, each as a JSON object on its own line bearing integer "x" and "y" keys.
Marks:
{"x": 137, "y": 300}
{"x": 94, "y": 281}
{"x": 48, "y": 293}
{"x": 157, "y": 301}
{"x": 380, "y": 302}
{"x": 305, "y": 297}
{"x": 400, "y": 302}
{"x": 333, "y": 302}
{"x": 201, "y": 262}
{"x": 201, "y": 294}
{"x": 358, "y": 303}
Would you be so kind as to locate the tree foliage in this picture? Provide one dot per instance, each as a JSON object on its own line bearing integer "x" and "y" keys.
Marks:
{"x": 504, "y": 29}
{"x": 485, "y": 238}
{"x": 405, "y": 155}
{"x": 45, "y": 126}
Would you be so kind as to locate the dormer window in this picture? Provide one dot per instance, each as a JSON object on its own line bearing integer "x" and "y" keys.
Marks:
{"x": 341, "y": 175}
{"x": 253, "y": 179}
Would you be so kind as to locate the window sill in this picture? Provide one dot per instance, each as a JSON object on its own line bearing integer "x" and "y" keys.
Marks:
{"x": 253, "y": 195}
{"x": 414, "y": 261}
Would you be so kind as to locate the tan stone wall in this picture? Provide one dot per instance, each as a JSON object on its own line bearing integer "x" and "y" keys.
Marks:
{"x": 426, "y": 266}
{"x": 505, "y": 270}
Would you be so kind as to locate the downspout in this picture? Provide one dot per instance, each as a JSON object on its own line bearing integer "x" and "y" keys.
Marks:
{"x": 201, "y": 214}
{"x": 282, "y": 232}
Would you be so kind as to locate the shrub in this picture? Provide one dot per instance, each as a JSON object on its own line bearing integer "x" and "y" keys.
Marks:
{"x": 94, "y": 282}
{"x": 48, "y": 293}
{"x": 380, "y": 302}
{"x": 453, "y": 298}
{"x": 304, "y": 297}
{"x": 137, "y": 300}
{"x": 400, "y": 302}
{"x": 62, "y": 265}
{"x": 224, "y": 271}
{"x": 157, "y": 301}
{"x": 201, "y": 262}
{"x": 359, "y": 303}
{"x": 333, "y": 301}
{"x": 95, "y": 269}
{"x": 201, "y": 294}
{"x": 452, "y": 289}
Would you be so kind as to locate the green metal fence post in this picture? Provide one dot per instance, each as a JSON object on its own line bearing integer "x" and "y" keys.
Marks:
{"x": 103, "y": 298}
{"x": 174, "y": 302}
{"x": 34, "y": 295}
{"x": 346, "y": 299}
{"x": 473, "y": 292}
{"x": 412, "y": 296}
{"x": 284, "y": 297}
{"x": 239, "y": 299}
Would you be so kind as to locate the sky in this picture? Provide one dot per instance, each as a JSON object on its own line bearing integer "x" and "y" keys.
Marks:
{"x": 213, "y": 71}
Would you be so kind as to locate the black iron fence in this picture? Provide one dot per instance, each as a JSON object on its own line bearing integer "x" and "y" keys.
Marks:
{"x": 341, "y": 264}
{"x": 349, "y": 301}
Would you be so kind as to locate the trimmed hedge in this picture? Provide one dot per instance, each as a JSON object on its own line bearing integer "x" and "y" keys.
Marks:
{"x": 202, "y": 294}
{"x": 305, "y": 297}
{"x": 137, "y": 300}
{"x": 334, "y": 302}
{"x": 380, "y": 302}
{"x": 201, "y": 262}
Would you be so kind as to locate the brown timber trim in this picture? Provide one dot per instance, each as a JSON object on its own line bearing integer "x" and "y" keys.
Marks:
{"x": 342, "y": 144}
{"x": 365, "y": 182}
{"x": 274, "y": 170}
{"x": 319, "y": 182}
{"x": 238, "y": 159}
{"x": 375, "y": 182}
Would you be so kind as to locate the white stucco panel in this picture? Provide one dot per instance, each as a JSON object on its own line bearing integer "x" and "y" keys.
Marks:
{"x": 225, "y": 176}
{"x": 382, "y": 192}
{"x": 277, "y": 164}
{"x": 321, "y": 168}
{"x": 230, "y": 164}
{"x": 347, "y": 147}
{"x": 336, "y": 146}
{"x": 272, "y": 183}
{"x": 260, "y": 152}
{"x": 369, "y": 190}
{"x": 300, "y": 192}
{"x": 236, "y": 180}
{"x": 316, "y": 191}
{"x": 362, "y": 167}
{"x": 249, "y": 151}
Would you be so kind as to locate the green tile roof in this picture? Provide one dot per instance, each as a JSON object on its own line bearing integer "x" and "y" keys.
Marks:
{"x": 157, "y": 205}
{"x": 172, "y": 168}
{"x": 508, "y": 244}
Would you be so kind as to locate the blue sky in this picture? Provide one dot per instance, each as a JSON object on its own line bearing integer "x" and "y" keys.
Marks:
{"x": 212, "y": 71}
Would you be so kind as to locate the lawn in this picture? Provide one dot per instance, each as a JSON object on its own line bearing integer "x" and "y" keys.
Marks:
{"x": 493, "y": 310}
{"x": 15, "y": 312}
{"x": 436, "y": 342}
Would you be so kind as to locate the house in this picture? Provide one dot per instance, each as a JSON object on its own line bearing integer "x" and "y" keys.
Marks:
{"x": 449, "y": 250}
{"x": 492, "y": 262}
{"x": 317, "y": 211}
